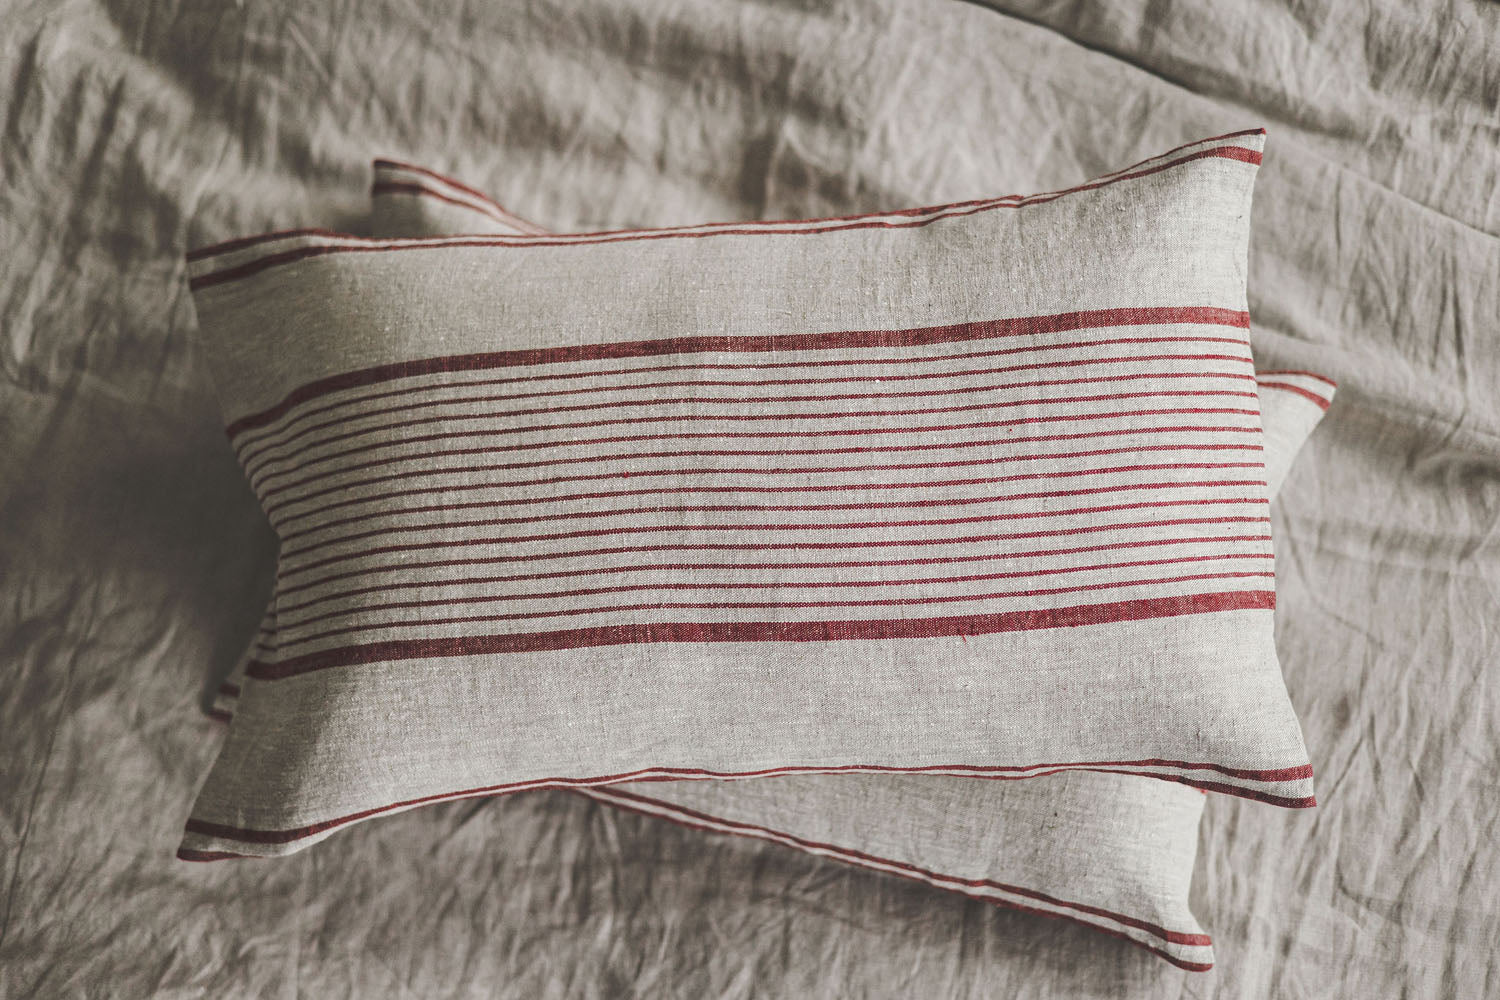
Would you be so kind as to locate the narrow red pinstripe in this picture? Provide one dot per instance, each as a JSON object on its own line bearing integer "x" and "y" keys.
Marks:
{"x": 245, "y": 241}
{"x": 620, "y": 798}
{"x": 249, "y": 835}
{"x": 762, "y": 547}
{"x": 626, "y": 633}
{"x": 260, "y": 434}
{"x": 771, "y": 343}
{"x": 249, "y": 454}
{"x": 272, "y": 507}
{"x": 489, "y": 205}
{"x": 1322, "y": 402}
{"x": 754, "y": 566}
{"x": 264, "y": 263}
{"x": 528, "y": 500}
{"x": 474, "y": 486}
{"x": 387, "y": 188}
{"x": 261, "y": 483}
{"x": 1276, "y": 373}
{"x": 1259, "y": 501}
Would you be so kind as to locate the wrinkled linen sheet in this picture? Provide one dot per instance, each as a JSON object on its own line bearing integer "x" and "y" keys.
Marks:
{"x": 135, "y": 563}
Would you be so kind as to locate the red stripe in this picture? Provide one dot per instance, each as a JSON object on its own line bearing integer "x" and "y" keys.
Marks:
{"x": 758, "y": 508}
{"x": 236, "y": 244}
{"x": 257, "y": 266}
{"x": 219, "y": 715}
{"x": 507, "y": 467}
{"x": 766, "y": 366}
{"x": 757, "y": 547}
{"x": 249, "y": 835}
{"x": 1292, "y": 371}
{"x": 244, "y": 242}
{"x": 761, "y": 606}
{"x": 387, "y": 188}
{"x": 831, "y": 218}
{"x": 696, "y": 567}
{"x": 684, "y": 815}
{"x": 249, "y": 452}
{"x": 271, "y": 508}
{"x": 770, "y": 343}
{"x": 652, "y": 528}
{"x": 696, "y": 417}
{"x": 649, "y": 473}
{"x": 286, "y": 625}
{"x": 1323, "y": 403}
{"x": 820, "y": 631}
{"x": 487, "y": 202}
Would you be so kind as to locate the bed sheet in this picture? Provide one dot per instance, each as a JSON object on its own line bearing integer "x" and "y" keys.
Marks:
{"x": 135, "y": 563}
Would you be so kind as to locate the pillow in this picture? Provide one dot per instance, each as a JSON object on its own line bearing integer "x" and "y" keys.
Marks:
{"x": 367, "y": 705}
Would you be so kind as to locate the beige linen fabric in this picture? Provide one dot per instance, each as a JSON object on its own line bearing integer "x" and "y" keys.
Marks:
{"x": 408, "y": 708}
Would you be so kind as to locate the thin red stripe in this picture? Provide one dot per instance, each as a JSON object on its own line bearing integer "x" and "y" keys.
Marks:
{"x": 1292, "y": 371}
{"x": 287, "y": 625}
{"x": 259, "y": 265}
{"x": 250, "y": 835}
{"x": 250, "y": 452}
{"x": 653, "y": 528}
{"x": 239, "y": 243}
{"x": 696, "y": 417}
{"x": 1322, "y": 402}
{"x": 818, "y": 488}
{"x": 831, "y": 218}
{"x": 731, "y": 566}
{"x": 472, "y": 486}
{"x": 766, "y": 366}
{"x": 267, "y": 493}
{"x": 760, "y": 547}
{"x": 627, "y": 630}
{"x": 489, "y": 205}
{"x": 763, "y": 344}
{"x": 612, "y": 795}
{"x": 765, "y": 508}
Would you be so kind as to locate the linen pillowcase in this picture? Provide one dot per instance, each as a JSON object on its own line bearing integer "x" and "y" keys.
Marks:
{"x": 1115, "y": 853}
{"x": 329, "y": 723}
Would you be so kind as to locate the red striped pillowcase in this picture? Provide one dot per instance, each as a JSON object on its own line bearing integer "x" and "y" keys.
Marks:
{"x": 1067, "y": 845}
{"x": 226, "y": 283}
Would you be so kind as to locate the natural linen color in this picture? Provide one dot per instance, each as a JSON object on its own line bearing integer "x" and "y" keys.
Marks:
{"x": 1110, "y": 852}
{"x": 545, "y": 521}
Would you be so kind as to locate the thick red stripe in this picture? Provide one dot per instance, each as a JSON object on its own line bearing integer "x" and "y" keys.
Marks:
{"x": 901, "y": 628}
{"x": 842, "y": 340}
{"x": 271, "y": 508}
{"x": 473, "y": 486}
{"x": 696, "y": 528}
{"x": 287, "y": 625}
{"x": 620, "y": 798}
{"x": 1322, "y": 403}
{"x": 881, "y": 221}
{"x": 800, "y": 546}
{"x": 261, "y": 434}
{"x": 425, "y": 584}
{"x": 264, "y": 446}
{"x": 818, "y": 488}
